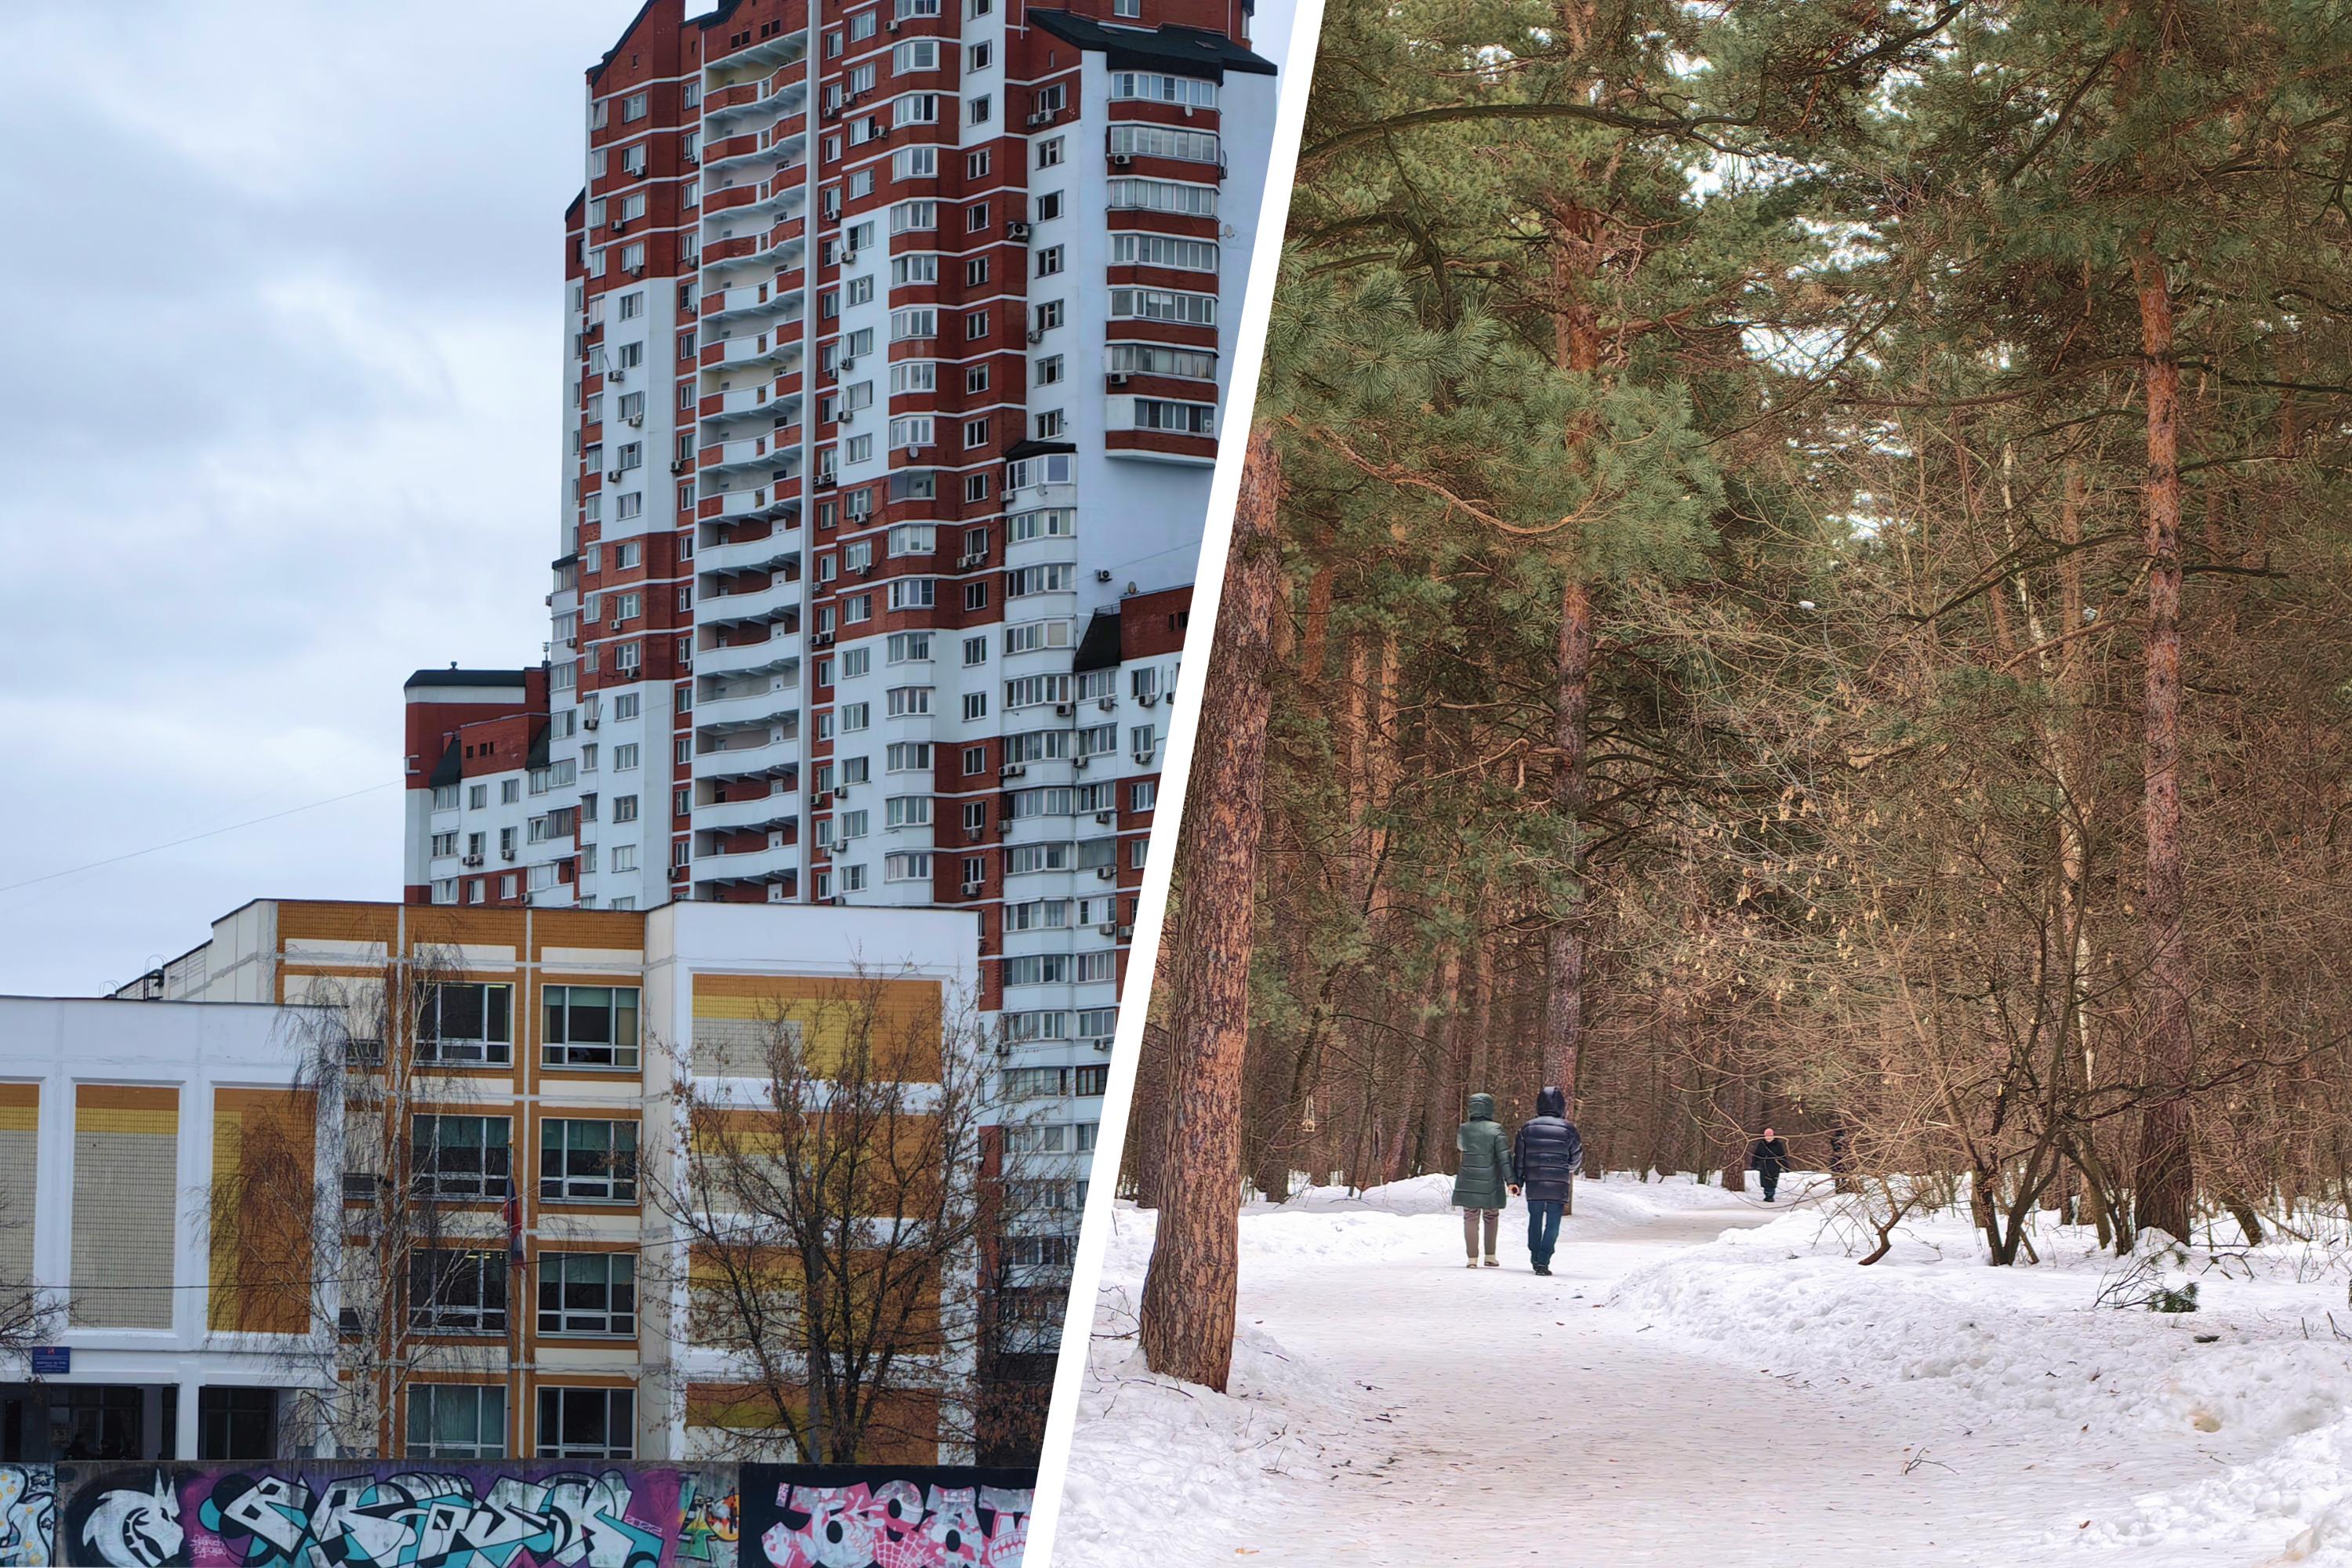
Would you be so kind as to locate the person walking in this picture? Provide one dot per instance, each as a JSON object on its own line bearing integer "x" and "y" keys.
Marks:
{"x": 1484, "y": 1173}
{"x": 1544, "y": 1158}
{"x": 1767, "y": 1159}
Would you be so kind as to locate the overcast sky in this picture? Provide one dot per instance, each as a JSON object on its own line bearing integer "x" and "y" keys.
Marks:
{"x": 279, "y": 374}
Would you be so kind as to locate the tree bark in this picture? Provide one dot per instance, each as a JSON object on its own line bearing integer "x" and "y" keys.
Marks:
{"x": 1187, "y": 1316}
{"x": 2165, "y": 1177}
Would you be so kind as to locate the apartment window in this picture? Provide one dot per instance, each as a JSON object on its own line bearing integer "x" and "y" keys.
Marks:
{"x": 462, "y": 1156}
{"x": 632, "y": 106}
{"x": 975, "y": 217}
{"x": 975, "y": 378}
{"x": 444, "y": 797}
{"x": 624, "y": 808}
{"x": 587, "y": 1293}
{"x": 1049, "y": 425}
{"x": 1136, "y": 848}
{"x": 916, "y": 109}
{"x": 1049, "y": 207}
{"x": 979, "y": 56}
{"x": 975, "y": 325}
{"x": 457, "y": 1421}
{"x": 1154, "y": 88}
{"x": 1050, "y": 151}
{"x": 1049, "y": 261}
{"x": 1143, "y": 796}
{"x": 922, "y": 322}
{"x": 445, "y": 891}
{"x": 588, "y": 1423}
{"x": 975, "y": 271}
{"x": 853, "y": 879}
{"x": 915, "y": 54}
{"x": 1163, "y": 305}
{"x": 625, "y": 757}
{"x": 445, "y": 844}
{"x": 462, "y": 1022}
{"x": 858, "y": 661}
{"x": 457, "y": 1292}
{"x": 1158, "y": 359}
{"x": 975, "y": 705}
{"x": 981, "y": 109}
{"x": 1183, "y": 419}
{"x": 1048, "y": 315}
{"x": 478, "y": 797}
{"x": 852, "y": 716}
{"x": 589, "y": 1026}
{"x": 975, "y": 595}
{"x": 975, "y": 487}
{"x": 912, "y": 866}
{"x": 909, "y": 757}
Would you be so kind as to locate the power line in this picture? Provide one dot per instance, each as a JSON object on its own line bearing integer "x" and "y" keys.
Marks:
{"x": 192, "y": 837}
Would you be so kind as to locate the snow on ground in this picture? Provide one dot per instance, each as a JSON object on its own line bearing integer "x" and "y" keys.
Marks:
{"x": 1705, "y": 1377}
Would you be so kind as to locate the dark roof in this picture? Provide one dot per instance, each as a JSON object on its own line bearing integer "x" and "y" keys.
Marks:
{"x": 536, "y": 756}
{"x": 1187, "y": 51}
{"x": 1098, "y": 649}
{"x": 428, "y": 678}
{"x": 1019, "y": 449}
{"x": 449, "y": 769}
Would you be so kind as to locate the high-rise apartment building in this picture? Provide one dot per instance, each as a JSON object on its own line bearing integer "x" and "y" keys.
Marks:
{"x": 894, "y": 359}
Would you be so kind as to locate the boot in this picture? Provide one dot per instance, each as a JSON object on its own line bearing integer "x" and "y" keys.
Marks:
{"x": 1493, "y": 1263}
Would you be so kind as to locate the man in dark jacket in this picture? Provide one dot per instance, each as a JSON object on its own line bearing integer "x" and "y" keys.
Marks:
{"x": 1484, "y": 1173}
{"x": 1767, "y": 1159}
{"x": 1544, "y": 1158}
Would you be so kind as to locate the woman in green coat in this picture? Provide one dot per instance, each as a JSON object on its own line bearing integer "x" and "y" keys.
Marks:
{"x": 1482, "y": 1188}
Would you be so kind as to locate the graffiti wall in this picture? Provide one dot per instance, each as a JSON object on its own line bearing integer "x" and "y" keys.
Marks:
{"x": 804, "y": 1517}
{"x": 517, "y": 1514}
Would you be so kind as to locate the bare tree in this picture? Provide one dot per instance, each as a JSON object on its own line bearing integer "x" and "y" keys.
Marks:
{"x": 836, "y": 1204}
{"x": 389, "y": 1242}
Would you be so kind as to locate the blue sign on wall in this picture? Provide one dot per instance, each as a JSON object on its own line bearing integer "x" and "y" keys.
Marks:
{"x": 49, "y": 1360}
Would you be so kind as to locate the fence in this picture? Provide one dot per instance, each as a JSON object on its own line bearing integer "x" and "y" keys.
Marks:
{"x": 410, "y": 1514}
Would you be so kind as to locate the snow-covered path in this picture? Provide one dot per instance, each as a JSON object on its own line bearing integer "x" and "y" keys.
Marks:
{"x": 1395, "y": 1408}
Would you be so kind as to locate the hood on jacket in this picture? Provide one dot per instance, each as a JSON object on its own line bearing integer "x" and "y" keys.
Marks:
{"x": 1482, "y": 1108}
{"x": 1552, "y": 1101}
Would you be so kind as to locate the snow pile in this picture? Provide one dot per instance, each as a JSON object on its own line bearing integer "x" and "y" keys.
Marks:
{"x": 2256, "y": 1377}
{"x": 1173, "y": 1464}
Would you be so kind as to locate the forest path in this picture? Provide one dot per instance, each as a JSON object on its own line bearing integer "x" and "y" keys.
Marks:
{"x": 1509, "y": 1418}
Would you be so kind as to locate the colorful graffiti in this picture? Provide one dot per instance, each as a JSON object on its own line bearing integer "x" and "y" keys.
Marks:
{"x": 27, "y": 1515}
{"x": 520, "y": 1514}
{"x": 856, "y": 1517}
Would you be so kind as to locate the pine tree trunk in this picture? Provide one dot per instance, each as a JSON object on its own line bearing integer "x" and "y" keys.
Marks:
{"x": 2165, "y": 1177}
{"x": 1187, "y": 1317}
{"x": 1564, "y": 1015}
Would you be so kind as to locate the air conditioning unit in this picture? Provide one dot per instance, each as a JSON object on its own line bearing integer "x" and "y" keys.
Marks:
{"x": 1079, "y": 763}
{"x": 1116, "y": 378}
{"x": 816, "y": 800}
{"x": 1105, "y": 817}
{"x": 974, "y": 835}
{"x": 1106, "y": 872}
{"x": 972, "y": 889}
{"x": 849, "y": 255}
{"x": 589, "y": 723}
{"x": 1109, "y": 704}
{"x": 617, "y": 375}
{"x": 620, "y": 226}
{"x": 680, "y": 466}
{"x": 1127, "y": 933}
{"x": 1108, "y": 928}
{"x": 636, "y": 421}
{"x": 1062, "y": 710}
{"x": 1016, "y": 229}
{"x": 1041, "y": 117}
{"x": 826, "y": 482}
{"x": 848, "y": 362}
{"x": 1147, "y": 699}
{"x": 1037, "y": 336}
{"x": 1102, "y": 574}
{"x": 1102, "y": 1043}
{"x": 636, "y": 271}
{"x": 894, "y": 24}
{"x": 1011, "y": 771}
{"x": 1121, "y": 160}
{"x": 968, "y": 560}
{"x": 848, "y": 416}
{"x": 473, "y": 859}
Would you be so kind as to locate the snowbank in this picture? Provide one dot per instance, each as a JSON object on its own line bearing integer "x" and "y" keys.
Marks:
{"x": 2257, "y": 1377}
{"x": 1173, "y": 1464}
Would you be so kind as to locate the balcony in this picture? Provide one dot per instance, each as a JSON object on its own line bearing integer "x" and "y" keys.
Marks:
{"x": 779, "y": 806}
{"x": 750, "y": 297}
{"x": 751, "y": 551}
{"x": 764, "y": 451}
{"x": 761, "y": 702}
{"x": 768, "y": 863}
{"x": 747, "y": 654}
{"x": 774, "y": 752}
{"x": 741, "y": 400}
{"x": 761, "y": 500}
{"x": 779, "y": 599}
{"x": 770, "y": 353}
